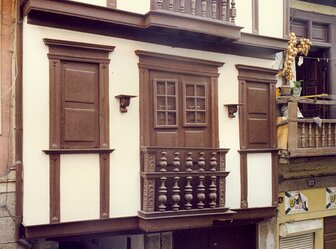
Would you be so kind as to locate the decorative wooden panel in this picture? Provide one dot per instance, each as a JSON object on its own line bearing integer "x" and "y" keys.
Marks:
{"x": 300, "y": 28}
{"x": 320, "y": 32}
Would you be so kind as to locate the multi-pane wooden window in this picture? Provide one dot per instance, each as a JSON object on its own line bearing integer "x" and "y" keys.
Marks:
{"x": 165, "y": 102}
{"x": 195, "y": 103}
{"x": 178, "y": 101}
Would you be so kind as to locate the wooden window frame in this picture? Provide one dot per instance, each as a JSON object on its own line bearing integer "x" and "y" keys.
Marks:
{"x": 196, "y": 124}
{"x": 165, "y": 110}
{"x": 177, "y": 64}
{"x": 60, "y": 51}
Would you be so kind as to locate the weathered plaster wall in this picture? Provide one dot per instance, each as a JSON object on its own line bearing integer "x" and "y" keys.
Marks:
{"x": 7, "y": 77}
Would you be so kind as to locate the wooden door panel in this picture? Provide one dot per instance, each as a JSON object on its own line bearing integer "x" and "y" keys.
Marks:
{"x": 166, "y": 138}
{"x": 195, "y": 139}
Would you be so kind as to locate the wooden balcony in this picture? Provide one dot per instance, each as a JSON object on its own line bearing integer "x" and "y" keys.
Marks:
{"x": 181, "y": 182}
{"x": 224, "y": 10}
{"x": 206, "y": 18}
{"x": 306, "y": 137}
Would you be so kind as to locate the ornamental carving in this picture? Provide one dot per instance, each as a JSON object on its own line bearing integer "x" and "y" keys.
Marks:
{"x": 148, "y": 196}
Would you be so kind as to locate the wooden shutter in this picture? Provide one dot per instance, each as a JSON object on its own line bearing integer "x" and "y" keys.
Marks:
{"x": 304, "y": 241}
{"x": 257, "y": 113}
{"x": 79, "y": 105}
{"x": 330, "y": 232}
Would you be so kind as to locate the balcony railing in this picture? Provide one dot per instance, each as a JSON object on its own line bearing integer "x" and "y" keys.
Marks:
{"x": 224, "y": 10}
{"x": 307, "y": 136}
{"x": 182, "y": 182}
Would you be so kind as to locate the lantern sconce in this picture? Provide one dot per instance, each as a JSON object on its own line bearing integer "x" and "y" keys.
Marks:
{"x": 124, "y": 101}
{"x": 232, "y": 109}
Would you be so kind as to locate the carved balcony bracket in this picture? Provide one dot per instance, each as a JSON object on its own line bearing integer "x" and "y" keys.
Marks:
{"x": 124, "y": 101}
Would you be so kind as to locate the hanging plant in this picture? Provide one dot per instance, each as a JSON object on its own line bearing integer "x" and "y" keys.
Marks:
{"x": 294, "y": 48}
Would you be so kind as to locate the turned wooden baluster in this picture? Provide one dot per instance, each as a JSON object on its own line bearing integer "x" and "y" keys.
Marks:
{"x": 317, "y": 136}
{"x": 214, "y": 9}
{"x": 171, "y": 5}
{"x": 323, "y": 136}
{"x": 193, "y": 7}
{"x": 213, "y": 179}
{"x": 213, "y": 161}
{"x": 303, "y": 135}
{"x": 177, "y": 162}
{"x": 176, "y": 194}
{"x": 200, "y": 192}
{"x": 189, "y": 162}
{"x": 163, "y": 189}
{"x": 188, "y": 188}
{"x": 176, "y": 189}
{"x": 233, "y": 11}
{"x": 201, "y": 187}
{"x": 310, "y": 136}
{"x": 182, "y": 4}
{"x": 329, "y": 135}
{"x": 203, "y": 7}
{"x": 223, "y": 10}
{"x": 201, "y": 162}
{"x": 163, "y": 162}
{"x": 162, "y": 194}
{"x": 159, "y": 4}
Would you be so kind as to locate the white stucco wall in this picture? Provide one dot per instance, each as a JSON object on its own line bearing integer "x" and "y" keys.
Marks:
{"x": 271, "y": 18}
{"x": 259, "y": 178}
{"x": 244, "y": 15}
{"x": 93, "y": 2}
{"x": 124, "y": 130}
{"x": 79, "y": 183}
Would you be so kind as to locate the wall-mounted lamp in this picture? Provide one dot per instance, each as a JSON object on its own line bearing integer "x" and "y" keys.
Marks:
{"x": 232, "y": 109}
{"x": 124, "y": 101}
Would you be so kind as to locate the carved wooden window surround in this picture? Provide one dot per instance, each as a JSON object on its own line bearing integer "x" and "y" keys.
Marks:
{"x": 79, "y": 112}
{"x": 183, "y": 82}
{"x": 78, "y": 95}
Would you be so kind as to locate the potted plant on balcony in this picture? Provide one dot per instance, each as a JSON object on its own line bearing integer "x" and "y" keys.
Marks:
{"x": 296, "y": 89}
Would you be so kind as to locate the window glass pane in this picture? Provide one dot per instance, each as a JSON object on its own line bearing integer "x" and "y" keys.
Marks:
{"x": 190, "y": 105}
{"x": 190, "y": 90}
{"x": 171, "y": 116}
{"x": 200, "y": 91}
{"x": 161, "y": 88}
{"x": 171, "y": 88}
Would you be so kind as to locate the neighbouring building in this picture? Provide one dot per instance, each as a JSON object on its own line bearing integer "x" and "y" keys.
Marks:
{"x": 307, "y": 172}
{"x": 8, "y": 75}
